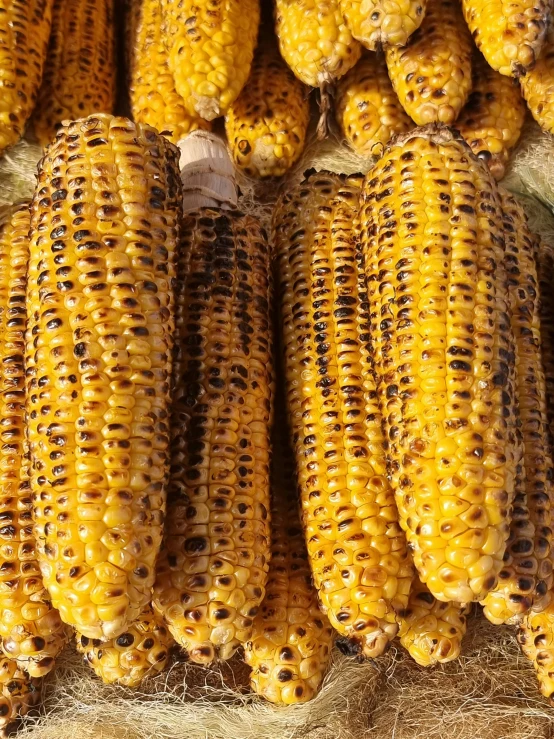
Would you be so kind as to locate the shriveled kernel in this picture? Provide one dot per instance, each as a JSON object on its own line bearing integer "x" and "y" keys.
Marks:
{"x": 19, "y": 693}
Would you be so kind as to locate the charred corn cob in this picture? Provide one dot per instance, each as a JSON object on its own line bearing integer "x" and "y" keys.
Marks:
{"x": 212, "y": 574}
{"x": 154, "y": 99}
{"x": 509, "y": 33}
{"x": 291, "y": 641}
{"x": 367, "y": 108}
{"x": 538, "y": 88}
{"x": 357, "y": 550}
{"x": 210, "y": 49}
{"x": 103, "y": 234}
{"x": 545, "y": 264}
{"x": 431, "y": 631}
{"x": 142, "y": 651}
{"x": 493, "y": 116}
{"x": 31, "y": 631}
{"x": 536, "y": 638}
{"x": 18, "y": 693}
{"x": 432, "y": 73}
{"x": 381, "y": 23}
{"x": 526, "y": 576}
{"x": 24, "y": 32}
{"x": 79, "y": 73}
{"x": 443, "y": 350}
{"x": 266, "y": 125}
{"x": 314, "y": 40}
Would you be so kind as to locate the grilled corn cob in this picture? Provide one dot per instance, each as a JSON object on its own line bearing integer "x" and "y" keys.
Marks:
{"x": 509, "y": 33}
{"x": 432, "y": 73}
{"x": 526, "y": 576}
{"x": 545, "y": 264}
{"x": 432, "y": 235}
{"x": 142, "y": 651}
{"x": 18, "y": 694}
{"x": 31, "y": 631}
{"x": 210, "y": 47}
{"x": 103, "y": 234}
{"x": 357, "y": 550}
{"x": 536, "y": 638}
{"x": 291, "y": 641}
{"x": 24, "y": 32}
{"x": 211, "y": 576}
{"x": 154, "y": 99}
{"x": 493, "y": 116}
{"x": 79, "y": 73}
{"x": 538, "y": 88}
{"x": 367, "y": 108}
{"x": 381, "y": 23}
{"x": 431, "y": 631}
{"x": 314, "y": 40}
{"x": 266, "y": 126}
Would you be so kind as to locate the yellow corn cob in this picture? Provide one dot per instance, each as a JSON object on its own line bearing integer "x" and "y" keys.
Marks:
{"x": 18, "y": 694}
{"x": 314, "y": 40}
{"x": 154, "y": 99}
{"x": 211, "y": 47}
{"x": 526, "y": 578}
{"x": 31, "y": 631}
{"x": 24, "y": 33}
{"x": 443, "y": 348}
{"x": 536, "y": 638}
{"x": 291, "y": 641}
{"x": 432, "y": 73}
{"x": 142, "y": 651}
{"x": 493, "y": 116}
{"x": 538, "y": 88}
{"x": 357, "y": 550}
{"x": 431, "y": 631}
{"x": 103, "y": 234}
{"x": 266, "y": 126}
{"x": 381, "y": 23}
{"x": 367, "y": 108}
{"x": 79, "y": 73}
{"x": 509, "y": 33}
{"x": 212, "y": 573}
{"x": 545, "y": 264}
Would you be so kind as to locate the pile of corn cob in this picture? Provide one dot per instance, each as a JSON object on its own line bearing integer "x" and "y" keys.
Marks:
{"x": 150, "y": 500}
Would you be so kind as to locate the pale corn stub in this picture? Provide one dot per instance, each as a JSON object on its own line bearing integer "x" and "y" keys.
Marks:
{"x": 357, "y": 550}
{"x": 380, "y": 23}
{"x": 443, "y": 351}
{"x": 104, "y": 224}
{"x": 432, "y": 73}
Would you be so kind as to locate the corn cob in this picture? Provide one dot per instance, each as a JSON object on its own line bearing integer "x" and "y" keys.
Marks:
{"x": 430, "y": 630}
{"x": 526, "y": 577}
{"x": 443, "y": 351}
{"x": 538, "y": 88}
{"x": 266, "y": 126}
{"x": 509, "y": 33}
{"x": 367, "y": 108}
{"x": 142, "y": 651}
{"x": 154, "y": 99}
{"x": 432, "y": 73}
{"x": 493, "y": 116}
{"x": 103, "y": 234}
{"x": 357, "y": 551}
{"x": 19, "y": 693}
{"x": 382, "y": 23}
{"x": 79, "y": 73}
{"x": 545, "y": 264}
{"x": 291, "y": 642}
{"x": 24, "y": 33}
{"x": 536, "y": 638}
{"x": 212, "y": 573}
{"x": 211, "y": 47}
{"x": 31, "y": 631}
{"x": 314, "y": 40}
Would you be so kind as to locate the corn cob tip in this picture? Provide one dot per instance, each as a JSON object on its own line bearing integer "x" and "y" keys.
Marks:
{"x": 207, "y": 172}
